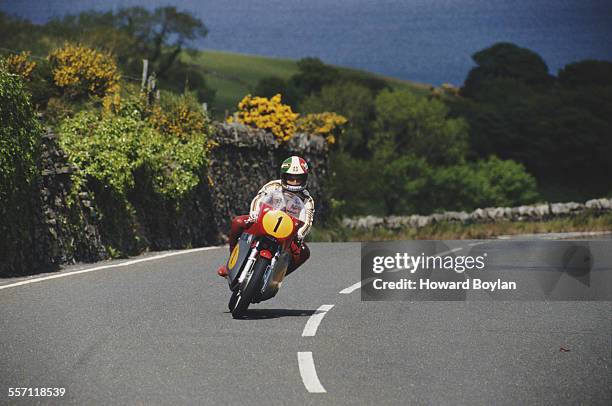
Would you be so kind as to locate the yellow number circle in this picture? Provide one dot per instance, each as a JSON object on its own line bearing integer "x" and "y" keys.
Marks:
{"x": 277, "y": 224}
{"x": 234, "y": 257}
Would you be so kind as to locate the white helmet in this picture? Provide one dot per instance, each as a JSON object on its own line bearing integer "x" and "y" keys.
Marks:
{"x": 294, "y": 174}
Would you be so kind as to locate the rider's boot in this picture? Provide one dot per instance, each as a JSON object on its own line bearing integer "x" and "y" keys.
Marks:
{"x": 239, "y": 224}
{"x": 222, "y": 271}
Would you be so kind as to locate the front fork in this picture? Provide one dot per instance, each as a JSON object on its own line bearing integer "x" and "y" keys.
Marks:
{"x": 268, "y": 273}
{"x": 248, "y": 267}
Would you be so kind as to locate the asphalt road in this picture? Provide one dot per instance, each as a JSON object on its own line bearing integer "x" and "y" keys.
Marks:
{"x": 158, "y": 332}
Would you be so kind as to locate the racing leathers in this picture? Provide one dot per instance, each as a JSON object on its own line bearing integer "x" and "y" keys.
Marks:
{"x": 298, "y": 204}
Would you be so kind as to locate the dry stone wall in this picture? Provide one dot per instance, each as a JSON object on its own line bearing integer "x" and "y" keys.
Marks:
{"x": 96, "y": 226}
{"x": 534, "y": 212}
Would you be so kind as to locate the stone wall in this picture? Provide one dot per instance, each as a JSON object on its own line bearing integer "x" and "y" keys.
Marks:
{"x": 96, "y": 226}
{"x": 536, "y": 212}
{"x": 245, "y": 159}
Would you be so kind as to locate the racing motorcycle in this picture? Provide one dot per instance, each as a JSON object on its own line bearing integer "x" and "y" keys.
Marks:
{"x": 259, "y": 261}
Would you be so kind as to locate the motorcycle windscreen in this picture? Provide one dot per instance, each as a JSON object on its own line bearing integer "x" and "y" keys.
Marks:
{"x": 287, "y": 202}
{"x": 238, "y": 257}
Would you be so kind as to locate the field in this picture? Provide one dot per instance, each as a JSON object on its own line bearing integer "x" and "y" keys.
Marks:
{"x": 235, "y": 75}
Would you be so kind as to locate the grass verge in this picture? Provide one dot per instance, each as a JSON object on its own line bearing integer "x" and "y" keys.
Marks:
{"x": 457, "y": 231}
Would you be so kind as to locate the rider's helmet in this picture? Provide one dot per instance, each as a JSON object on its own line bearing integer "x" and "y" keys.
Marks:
{"x": 294, "y": 174}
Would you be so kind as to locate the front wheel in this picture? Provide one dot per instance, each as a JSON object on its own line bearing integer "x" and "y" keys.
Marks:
{"x": 246, "y": 294}
{"x": 233, "y": 299}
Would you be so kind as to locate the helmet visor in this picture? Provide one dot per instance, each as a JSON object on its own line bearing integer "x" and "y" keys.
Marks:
{"x": 294, "y": 180}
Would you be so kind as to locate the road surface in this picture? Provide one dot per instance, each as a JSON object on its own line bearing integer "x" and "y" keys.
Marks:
{"x": 155, "y": 330}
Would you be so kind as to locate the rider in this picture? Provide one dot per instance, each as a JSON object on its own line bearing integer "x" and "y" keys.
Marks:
{"x": 292, "y": 183}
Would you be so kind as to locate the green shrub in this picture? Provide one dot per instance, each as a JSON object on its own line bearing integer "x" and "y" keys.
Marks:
{"x": 110, "y": 147}
{"x": 485, "y": 183}
{"x": 19, "y": 150}
{"x": 105, "y": 148}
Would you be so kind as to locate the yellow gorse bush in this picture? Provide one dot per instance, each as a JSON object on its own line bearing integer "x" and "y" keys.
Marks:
{"x": 182, "y": 117}
{"x": 20, "y": 64}
{"x": 80, "y": 70}
{"x": 268, "y": 114}
{"x": 324, "y": 124}
{"x": 278, "y": 118}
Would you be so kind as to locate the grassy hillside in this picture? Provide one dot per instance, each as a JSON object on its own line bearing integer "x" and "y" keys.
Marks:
{"x": 235, "y": 75}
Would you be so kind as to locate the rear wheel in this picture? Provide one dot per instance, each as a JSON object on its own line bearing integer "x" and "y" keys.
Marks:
{"x": 246, "y": 293}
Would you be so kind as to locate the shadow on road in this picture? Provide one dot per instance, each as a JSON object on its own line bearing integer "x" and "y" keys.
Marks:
{"x": 258, "y": 314}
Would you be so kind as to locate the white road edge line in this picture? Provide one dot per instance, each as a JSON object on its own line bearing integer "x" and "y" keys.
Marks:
{"x": 358, "y": 285}
{"x": 99, "y": 268}
{"x": 310, "y": 329}
{"x": 309, "y": 373}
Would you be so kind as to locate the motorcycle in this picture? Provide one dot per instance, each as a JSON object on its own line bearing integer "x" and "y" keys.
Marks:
{"x": 259, "y": 261}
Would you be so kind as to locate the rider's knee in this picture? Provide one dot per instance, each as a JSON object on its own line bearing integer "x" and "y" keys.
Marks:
{"x": 240, "y": 222}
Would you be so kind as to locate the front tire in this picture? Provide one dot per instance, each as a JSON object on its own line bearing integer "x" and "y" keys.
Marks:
{"x": 253, "y": 284}
{"x": 233, "y": 299}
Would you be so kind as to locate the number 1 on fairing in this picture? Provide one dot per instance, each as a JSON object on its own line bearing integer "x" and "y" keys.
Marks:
{"x": 278, "y": 223}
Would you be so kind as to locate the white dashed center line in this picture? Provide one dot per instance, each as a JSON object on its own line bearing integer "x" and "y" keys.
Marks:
{"x": 310, "y": 329}
{"x": 309, "y": 373}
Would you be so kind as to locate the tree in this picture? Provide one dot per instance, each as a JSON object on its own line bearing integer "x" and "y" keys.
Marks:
{"x": 418, "y": 126}
{"x": 133, "y": 34}
{"x": 354, "y": 102}
{"x": 586, "y": 73}
{"x": 506, "y": 60}
{"x": 273, "y": 85}
{"x": 313, "y": 75}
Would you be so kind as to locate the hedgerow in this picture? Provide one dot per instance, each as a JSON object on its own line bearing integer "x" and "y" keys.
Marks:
{"x": 19, "y": 150}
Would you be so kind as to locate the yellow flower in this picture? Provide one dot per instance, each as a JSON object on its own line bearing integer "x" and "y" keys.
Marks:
{"x": 79, "y": 69}
{"x": 268, "y": 114}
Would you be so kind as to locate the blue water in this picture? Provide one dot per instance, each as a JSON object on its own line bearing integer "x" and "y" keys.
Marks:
{"x": 422, "y": 40}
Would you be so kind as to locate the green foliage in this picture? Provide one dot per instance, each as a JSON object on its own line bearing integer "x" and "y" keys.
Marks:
{"x": 133, "y": 33}
{"x": 19, "y": 151}
{"x": 407, "y": 125}
{"x": 353, "y": 184}
{"x": 105, "y": 148}
{"x": 313, "y": 75}
{"x": 182, "y": 78}
{"x": 111, "y": 147}
{"x": 272, "y": 85}
{"x": 353, "y": 101}
{"x": 559, "y": 131}
{"x": 484, "y": 183}
{"x": 506, "y": 60}
{"x": 174, "y": 162}
{"x": 586, "y": 73}
{"x": 19, "y": 137}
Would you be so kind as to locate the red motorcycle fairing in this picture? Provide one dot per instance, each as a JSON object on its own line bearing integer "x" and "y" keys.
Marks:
{"x": 259, "y": 261}
{"x": 259, "y": 229}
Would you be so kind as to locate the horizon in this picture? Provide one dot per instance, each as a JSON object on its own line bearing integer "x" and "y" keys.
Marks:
{"x": 424, "y": 41}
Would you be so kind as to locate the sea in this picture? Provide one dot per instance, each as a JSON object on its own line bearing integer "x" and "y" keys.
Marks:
{"x": 428, "y": 41}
